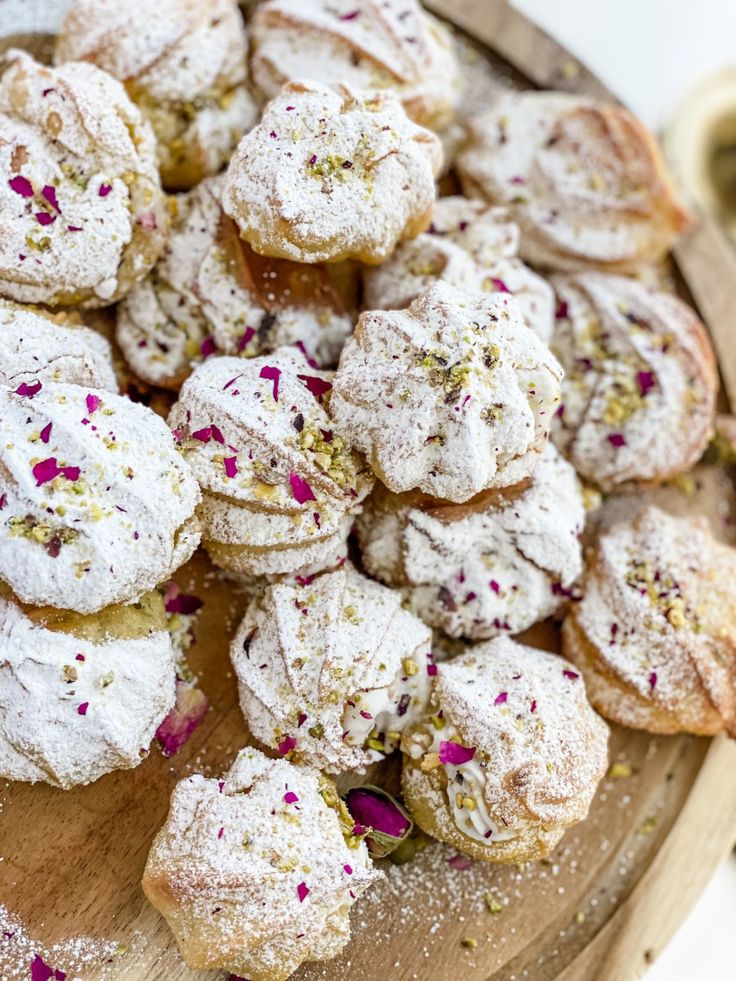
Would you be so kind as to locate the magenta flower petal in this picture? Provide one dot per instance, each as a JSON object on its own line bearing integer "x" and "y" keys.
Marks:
{"x": 40, "y": 971}
{"x": 231, "y": 466}
{"x": 460, "y": 862}
{"x": 104, "y": 190}
{"x": 562, "y": 311}
{"x": 82, "y": 709}
{"x": 501, "y": 698}
{"x": 317, "y": 386}
{"x": 177, "y": 602}
{"x": 203, "y": 435}
{"x": 645, "y": 380}
{"x": 45, "y": 433}
{"x": 302, "y": 891}
{"x": 188, "y": 711}
{"x": 616, "y": 439}
{"x": 290, "y": 797}
{"x": 500, "y": 286}
{"x": 652, "y": 680}
{"x": 273, "y": 374}
{"x": 28, "y": 389}
{"x": 49, "y": 194}
{"x": 207, "y": 347}
{"x": 571, "y": 675}
{"x": 379, "y": 817}
{"x": 454, "y": 753}
{"x": 22, "y": 186}
{"x": 301, "y": 489}
{"x": 44, "y": 218}
{"x": 286, "y": 745}
{"x": 93, "y": 403}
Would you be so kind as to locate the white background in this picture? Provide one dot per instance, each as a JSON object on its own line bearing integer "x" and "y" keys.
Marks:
{"x": 650, "y": 52}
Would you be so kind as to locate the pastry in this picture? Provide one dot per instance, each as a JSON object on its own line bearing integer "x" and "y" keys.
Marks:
{"x": 654, "y": 634}
{"x": 452, "y": 396}
{"x": 638, "y": 396}
{"x": 382, "y": 45}
{"x": 81, "y": 207}
{"x": 210, "y": 292}
{"x": 257, "y": 873}
{"x": 584, "y": 180}
{"x": 39, "y": 347}
{"x": 480, "y": 572}
{"x": 183, "y": 62}
{"x": 96, "y": 504}
{"x": 331, "y": 669}
{"x": 332, "y": 174}
{"x": 281, "y": 484}
{"x": 511, "y": 756}
{"x": 473, "y": 247}
{"x": 81, "y": 695}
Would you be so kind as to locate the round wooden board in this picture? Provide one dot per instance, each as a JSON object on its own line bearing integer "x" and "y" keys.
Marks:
{"x": 604, "y": 904}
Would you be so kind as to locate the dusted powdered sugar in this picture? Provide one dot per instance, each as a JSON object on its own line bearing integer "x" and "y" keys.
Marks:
{"x": 378, "y": 45}
{"x": 538, "y": 748}
{"x": 638, "y": 397}
{"x": 331, "y": 175}
{"x": 489, "y": 571}
{"x": 254, "y": 873}
{"x": 654, "y": 632}
{"x": 183, "y": 61}
{"x": 584, "y": 180}
{"x": 40, "y": 347}
{"x": 211, "y": 291}
{"x": 452, "y": 396}
{"x": 81, "y": 205}
{"x": 74, "y": 707}
{"x": 97, "y": 506}
{"x": 280, "y": 481}
{"x": 473, "y": 247}
{"x": 334, "y": 666}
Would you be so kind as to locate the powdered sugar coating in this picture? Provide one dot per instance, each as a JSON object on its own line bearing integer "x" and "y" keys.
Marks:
{"x": 538, "y": 752}
{"x": 453, "y": 395}
{"x": 280, "y": 482}
{"x": 210, "y": 290}
{"x": 74, "y": 707}
{"x": 333, "y": 663}
{"x": 82, "y": 208}
{"x": 183, "y": 62}
{"x": 51, "y": 348}
{"x": 585, "y": 180}
{"x": 251, "y": 883}
{"x": 654, "y": 633}
{"x": 376, "y": 45}
{"x": 638, "y": 397}
{"x": 97, "y": 504}
{"x": 331, "y": 174}
{"x": 478, "y": 573}
{"x": 473, "y": 247}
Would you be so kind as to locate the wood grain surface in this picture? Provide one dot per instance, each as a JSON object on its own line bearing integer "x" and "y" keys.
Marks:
{"x": 602, "y": 907}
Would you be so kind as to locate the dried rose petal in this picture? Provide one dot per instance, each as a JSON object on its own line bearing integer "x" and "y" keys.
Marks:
{"x": 571, "y": 675}
{"x": 177, "y": 602}
{"x": 93, "y": 403}
{"x": 45, "y": 433}
{"x": 28, "y": 389}
{"x": 301, "y": 489}
{"x": 49, "y": 194}
{"x": 382, "y": 819}
{"x": 645, "y": 380}
{"x": 104, "y": 190}
{"x": 454, "y": 753}
{"x": 616, "y": 439}
{"x": 82, "y": 709}
{"x": 231, "y": 466}
{"x": 499, "y": 285}
{"x": 290, "y": 797}
{"x": 188, "y": 711}
{"x": 22, "y": 186}
{"x": 317, "y": 386}
{"x": 302, "y": 891}
{"x": 501, "y": 699}
{"x": 460, "y": 862}
{"x": 49, "y": 469}
{"x": 203, "y": 435}
{"x": 273, "y": 374}
{"x": 44, "y": 218}
{"x": 207, "y": 347}
{"x": 40, "y": 971}
{"x": 246, "y": 337}
{"x": 286, "y": 745}
{"x": 652, "y": 680}
{"x": 563, "y": 311}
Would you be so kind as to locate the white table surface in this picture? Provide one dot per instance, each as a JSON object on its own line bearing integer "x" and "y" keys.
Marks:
{"x": 650, "y": 52}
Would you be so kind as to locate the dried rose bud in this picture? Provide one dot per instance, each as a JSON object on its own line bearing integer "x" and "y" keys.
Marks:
{"x": 386, "y": 823}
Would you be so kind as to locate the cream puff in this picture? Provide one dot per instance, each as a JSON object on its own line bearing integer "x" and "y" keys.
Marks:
{"x": 584, "y": 180}
{"x": 211, "y": 293}
{"x": 378, "y": 45}
{"x": 281, "y": 483}
{"x": 257, "y": 873}
{"x": 81, "y": 206}
{"x": 473, "y": 247}
{"x": 97, "y": 506}
{"x": 331, "y": 669}
{"x": 654, "y": 633}
{"x": 183, "y": 62}
{"x": 454, "y": 396}
{"x": 479, "y": 572}
{"x": 510, "y": 757}
{"x": 332, "y": 174}
{"x": 640, "y": 385}
{"x": 81, "y": 695}
{"x": 39, "y": 347}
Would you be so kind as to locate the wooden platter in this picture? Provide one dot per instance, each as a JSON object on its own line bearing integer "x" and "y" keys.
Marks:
{"x": 603, "y": 906}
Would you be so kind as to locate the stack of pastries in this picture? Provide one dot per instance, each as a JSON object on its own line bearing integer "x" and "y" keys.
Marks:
{"x": 389, "y": 414}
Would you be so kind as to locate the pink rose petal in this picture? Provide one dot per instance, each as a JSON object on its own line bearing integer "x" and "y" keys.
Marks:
{"x": 302, "y": 891}
{"x": 207, "y": 347}
{"x": 188, "y": 711}
{"x": 286, "y": 745}
{"x": 22, "y": 186}
{"x": 82, "y": 709}
{"x": 28, "y": 389}
{"x": 571, "y": 675}
{"x": 273, "y": 374}
{"x": 290, "y": 797}
{"x": 104, "y": 190}
{"x": 300, "y": 489}
{"x": 45, "y": 433}
{"x": 44, "y": 218}
{"x": 317, "y": 386}
{"x": 93, "y": 403}
{"x": 616, "y": 439}
{"x": 460, "y": 862}
{"x": 49, "y": 195}
{"x": 501, "y": 698}
{"x": 177, "y": 602}
{"x": 231, "y": 466}
{"x": 49, "y": 469}
{"x": 454, "y": 753}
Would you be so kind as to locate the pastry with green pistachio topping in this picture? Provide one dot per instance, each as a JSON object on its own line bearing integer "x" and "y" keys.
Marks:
{"x": 183, "y": 62}
{"x": 256, "y": 873}
{"x": 509, "y": 755}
